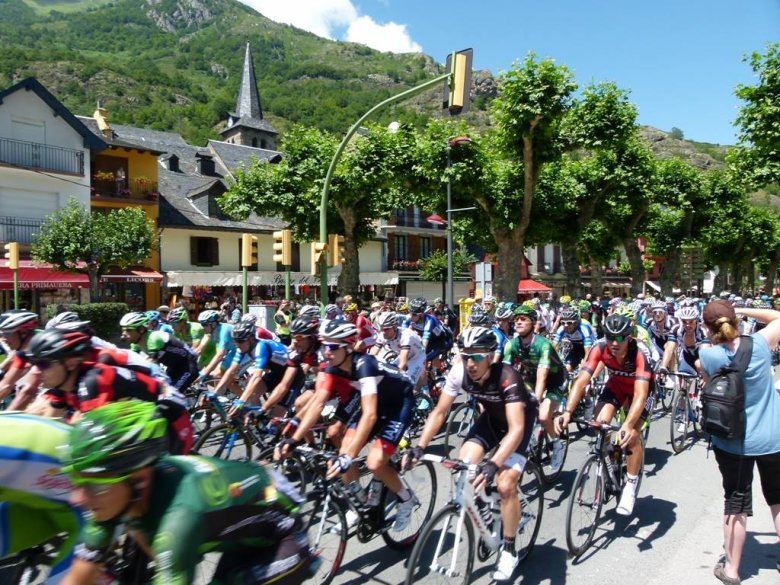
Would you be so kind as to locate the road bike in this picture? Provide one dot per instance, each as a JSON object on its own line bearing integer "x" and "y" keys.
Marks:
{"x": 540, "y": 452}
{"x": 445, "y": 550}
{"x": 686, "y": 409}
{"x": 600, "y": 478}
{"x": 327, "y": 502}
{"x": 459, "y": 423}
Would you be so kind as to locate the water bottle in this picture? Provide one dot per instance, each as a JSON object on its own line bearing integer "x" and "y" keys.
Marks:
{"x": 587, "y": 406}
{"x": 374, "y": 493}
{"x": 424, "y": 404}
{"x": 355, "y": 490}
{"x": 610, "y": 458}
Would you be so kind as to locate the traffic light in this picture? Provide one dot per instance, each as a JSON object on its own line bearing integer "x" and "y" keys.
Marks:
{"x": 335, "y": 249}
{"x": 457, "y": 97}
{"x": 283, "y": 247}
{"x": 318, "y": 250}
{"x": 12, "y": 255}
{"x": 248, "y": 250}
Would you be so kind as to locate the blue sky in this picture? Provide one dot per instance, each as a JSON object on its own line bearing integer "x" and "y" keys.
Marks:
{"x": 681, "y": 59}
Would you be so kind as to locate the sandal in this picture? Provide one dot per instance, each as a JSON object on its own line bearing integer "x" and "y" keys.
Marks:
{"x": 720, "y": 573}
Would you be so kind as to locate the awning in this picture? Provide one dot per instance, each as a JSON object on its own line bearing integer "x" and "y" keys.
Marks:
{"x": 269, "y": 278}
{"x": 41, "y": 276}
{"x": 530, "y": 286}
{"x": 654, "y": 285}
{"x": 138, "y": 274}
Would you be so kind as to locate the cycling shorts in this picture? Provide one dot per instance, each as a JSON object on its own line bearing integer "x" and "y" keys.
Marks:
{"x": 414, "y": 370}
{"x": 437, "y": 346}
{"x": 488, "y": 435}
{"x": 618, "y": 399}
{"x": 389, "y": 429}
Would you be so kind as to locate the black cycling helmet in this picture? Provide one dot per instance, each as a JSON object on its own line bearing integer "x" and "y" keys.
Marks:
{"x": 304, "y": 325}
{"x": 243, "y": 330}
{"x": 570, "y": 315}
{"x": 417, "y": 305}
{"x": 617, "y": 324}
{"x": 479, "y": 317}
{"x": 478, "y": 338}
{"x": 57, "y": 344}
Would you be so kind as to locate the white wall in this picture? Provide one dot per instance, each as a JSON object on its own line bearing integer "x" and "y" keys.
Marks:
{"x": 431, "y": 290}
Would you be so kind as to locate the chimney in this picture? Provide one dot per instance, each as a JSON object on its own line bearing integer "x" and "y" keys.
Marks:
{"x": 101, "y": 117}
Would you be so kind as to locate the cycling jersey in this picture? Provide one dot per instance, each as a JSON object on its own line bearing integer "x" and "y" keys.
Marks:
{"x": 201, "y": 505}
{"x": 192, "y": 334}
{"x": 178, "y": 359}
{"x": 660, "y": 334}
{"x": 405, "y": 339}
{"x": 502, "y": 339}
{"x": 538, "y": 353}
{"x": 637, "y": 366}
{"x": 223, "y": 336}
{"x": 34, "y": 492}
{"x": 688, "y": 353}
{"x": 582, "y": 339}
{"x": 429, "y": 327}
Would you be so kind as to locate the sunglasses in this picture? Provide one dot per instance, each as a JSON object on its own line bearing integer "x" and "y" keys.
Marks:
{"x": 569, "y": 322}
{"x": 689, "y": 322}
{"x": 44, "y": 364}
{"x": 658, "y": 311}
{"x": 301, "y": 337}
{"x": 618, "y": 338}
{"x": 333, "y": 346}
{"x": 476, "y": 357}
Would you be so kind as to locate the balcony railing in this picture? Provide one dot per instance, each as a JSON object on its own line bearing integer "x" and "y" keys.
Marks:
{"x": 19, "y": 229}
{"x": 33, "y": 155}
{"x": 137, "y": 190}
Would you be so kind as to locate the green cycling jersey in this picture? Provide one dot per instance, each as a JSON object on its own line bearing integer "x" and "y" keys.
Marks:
{"x": 192, "y": 335}
{"x": 539, "y": 353}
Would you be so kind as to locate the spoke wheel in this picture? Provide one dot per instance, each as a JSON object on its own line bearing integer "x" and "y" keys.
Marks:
{"x": 545, "y": 457}
{"x": 292, "y": 468}
{"x": 443, "y": 554}
{"x": 203, "y": 418}
{"x": 531, "y": 493}
{"x": 679, "y": 422}
{"x": 326, "y": 528}
{"x": 421, "y": 481}
{"x": 585, "y": 503}
{"x": 458, "y": 426}
{"x": 224, "y": 441}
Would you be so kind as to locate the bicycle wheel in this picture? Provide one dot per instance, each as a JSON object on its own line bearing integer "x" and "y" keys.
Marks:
{"x": 326, "y": 529}
{"x": 291, "y": 468}
{"x": 458, "y": 425}
{"x": 444, "y": 553}
{"x": 679, "y": 422}
{"x": 203, "y": 418}
{"x": 585, "y": 503}
{"x": 421, "y": 481}
{"x": 665, "y": 394}
{"x": 531, "y": 493}
{"x": 224, "y": 441}
{"x": 545, "y": 450}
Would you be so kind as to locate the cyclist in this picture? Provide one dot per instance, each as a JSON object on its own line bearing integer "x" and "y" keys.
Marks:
{"x": 436, "y": 337}
{"x": 71, "y": 320}
{"x": 178, "y": 359}
{"x": 16, "y": 330}
{"x": 400, "y": 347}
{"x": 375, "y": 399}
{"x": 660, "y": 327}
{"x": 190, "y": 332}
{"x": 81, "y": 378}
{"x": 688, "y": 337}
{"x": 502, "y": 327}
{"x": 260, "y": 331}
{"x": 217, "y": 337}
{"x": 156, "y": 323}
{"x": 578, "y": 335}
{"x": 366, "y": 331}
{"x": 179, "y": 508}
{"x": 34, "y": 492}
{"x": 535, "y": 357}
{"x": 283, "y": 317}
{"x": 628, "y": 386}
{"x": 505, "y": 424}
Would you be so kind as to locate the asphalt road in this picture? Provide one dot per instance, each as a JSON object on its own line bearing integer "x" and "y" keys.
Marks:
{"x": 674, "y": 535}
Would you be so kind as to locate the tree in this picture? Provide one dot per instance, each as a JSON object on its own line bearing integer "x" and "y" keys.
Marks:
{"x": 77, "y": 240}
{"x": 363, "y": 189}
{"x": 677, "y": 133}
{"x": 434, "y": 267}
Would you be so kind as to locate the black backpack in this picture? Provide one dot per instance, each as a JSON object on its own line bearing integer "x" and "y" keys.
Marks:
{"x": 723, "y": 397}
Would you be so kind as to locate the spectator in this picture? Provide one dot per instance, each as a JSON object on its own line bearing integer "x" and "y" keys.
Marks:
{"x": 283, "y": 318}
{"x": 760, "y": 446}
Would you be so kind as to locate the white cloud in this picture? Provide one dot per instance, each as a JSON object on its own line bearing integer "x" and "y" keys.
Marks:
{"x": 326, "y": 18}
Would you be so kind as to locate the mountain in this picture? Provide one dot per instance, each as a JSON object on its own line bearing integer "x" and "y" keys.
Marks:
{"x": 176, "y": 64}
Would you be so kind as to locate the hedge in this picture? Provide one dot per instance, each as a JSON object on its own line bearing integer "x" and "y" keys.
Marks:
{"x": 104, "y": 317}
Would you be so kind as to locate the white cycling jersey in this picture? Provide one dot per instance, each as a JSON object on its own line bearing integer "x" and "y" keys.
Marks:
{"x": 404, "y": 339}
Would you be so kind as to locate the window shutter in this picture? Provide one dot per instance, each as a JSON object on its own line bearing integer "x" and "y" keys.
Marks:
{"x": 214, "y": 251}
{"x": 193, "y": 251}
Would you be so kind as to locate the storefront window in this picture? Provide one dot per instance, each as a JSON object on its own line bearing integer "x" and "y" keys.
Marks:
{"x": 132, "y": 293}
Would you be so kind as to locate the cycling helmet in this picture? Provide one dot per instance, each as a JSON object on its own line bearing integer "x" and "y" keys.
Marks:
{"x": 134, "y": 320}
{"x": 304, "y": 325}
{"x": 757, "y": 303}
{"x": 118, "y": 438}
{"x": 350, "y": 308}
{"x": 503, "y": 313}
{"x": 565, "y": 299}
{"x": 243, "y": 330}
{"x": 341, "y": 330}
{"x": 626, "y": 311}
{"x": 570, "y": 315}
{"x": 153, "y": 316}
{"x": 249, "y": 318}
{"x": 658, "y": 306}
{"x": 417, "y": 305}
{"x": 687, "y": 313}
{"x": 525, "y": 311}
{"x": 66, "y": 317}
{"x": 478, "y": 338}
{"x": 331, "y": 310}
{"x": 311, "y": 311}
{"x": 617, "y": 324}
{"x": 178, "y": 314}
{"x": 615, "y": 302}
{"x": 583, "y": 306}
{"x": 208, "y": 316}
{"x": 18, "y": 320}
{"x": 57, "y": 344}
{"x": 479, "y": 317}
{"x": 402, "y": 308}
{"x": 388, "y": 319}
{"x": 508, "y": 305}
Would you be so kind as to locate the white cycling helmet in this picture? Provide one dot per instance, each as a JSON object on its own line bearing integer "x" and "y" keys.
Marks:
{"x": 688, "y": 313}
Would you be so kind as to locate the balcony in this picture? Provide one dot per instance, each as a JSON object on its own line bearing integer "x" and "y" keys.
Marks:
{"x": 139, "y": 190}
{"x": 404, "y": 265}
{"x": 19, "y": 229}
{"x": 32, "y": 155}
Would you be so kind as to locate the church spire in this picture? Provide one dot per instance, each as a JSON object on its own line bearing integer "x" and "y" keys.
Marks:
{"x": 248, "y": 103}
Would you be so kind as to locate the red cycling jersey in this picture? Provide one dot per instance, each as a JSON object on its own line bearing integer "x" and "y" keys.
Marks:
{"x": 636, "y": 366}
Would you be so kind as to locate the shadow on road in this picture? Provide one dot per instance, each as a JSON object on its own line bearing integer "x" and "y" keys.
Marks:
{"x": 758, "y": 556}
{"x": 648, "y": 512}
{"x": 657, "y": 458}
{"x": 545, "y": 564}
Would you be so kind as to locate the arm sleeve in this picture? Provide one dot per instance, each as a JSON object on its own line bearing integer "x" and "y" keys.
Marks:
{"x": 176, "y": 546}
{"x": 454, "y": 380}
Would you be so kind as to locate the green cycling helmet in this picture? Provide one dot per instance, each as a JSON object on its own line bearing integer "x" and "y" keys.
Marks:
{"x": 134, "y": 320}
{"x": 111, "y": 442}
{"x": 526, "y": 311}
{"x": 178, "y": 314}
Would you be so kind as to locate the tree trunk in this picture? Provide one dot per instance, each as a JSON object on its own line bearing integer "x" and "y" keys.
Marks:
{"x": 737, "y": 275}
{"x": 721, "y": 278}
{"x": 638, "y": 273}
{"x": 572, "y": 268}
{"x": 596, "y": 279}
{"x": 94, "y": 282}
{"x": 669, "y": 273}
{"x": 751, "y": 277}
{"x": 771, "y": 273}
{"x": 510, "y": 263}
{"x": 349, "y": 279}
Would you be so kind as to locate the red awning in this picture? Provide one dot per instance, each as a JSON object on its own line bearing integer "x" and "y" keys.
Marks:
{"x": 41, "y": 276}
{"x": 138, "y": 274}
{"x": 530, "y": 286}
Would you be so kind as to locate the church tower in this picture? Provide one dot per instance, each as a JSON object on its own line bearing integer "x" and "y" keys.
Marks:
{"x": 246, "y": 125}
